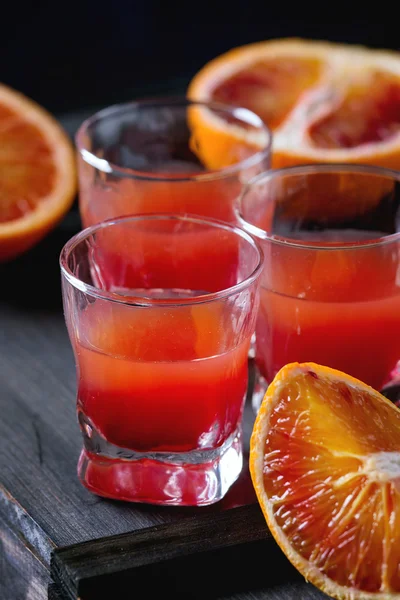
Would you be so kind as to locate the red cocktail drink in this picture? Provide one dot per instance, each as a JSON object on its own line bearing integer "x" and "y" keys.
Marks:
{"x": 330, "y": 290}
{"x": 162, "y": 364}
{"x": 156, "y": 157}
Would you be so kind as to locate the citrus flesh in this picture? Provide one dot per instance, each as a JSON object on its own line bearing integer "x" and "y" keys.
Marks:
{"x": 37, "y": 173}
{"x": 324, "y": 102}
{"x": 325, "y": 464}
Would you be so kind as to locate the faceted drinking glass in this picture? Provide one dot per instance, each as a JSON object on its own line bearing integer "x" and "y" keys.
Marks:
{"x": 160, "y": 310}
{"x": 330, "y": 289}
{"x": 168, "y": 156}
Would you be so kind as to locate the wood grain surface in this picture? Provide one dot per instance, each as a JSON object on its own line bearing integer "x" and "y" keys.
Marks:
{"x": 44, "y": 510}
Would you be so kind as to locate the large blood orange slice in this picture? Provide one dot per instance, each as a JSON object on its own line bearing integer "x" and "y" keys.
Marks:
{"x": 324, "y": 102}
{"x": 325, "y": 464}
{"x": 37, "y": 173}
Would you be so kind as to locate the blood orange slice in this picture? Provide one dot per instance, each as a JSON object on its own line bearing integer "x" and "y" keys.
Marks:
{"x": 37, "y": 173}
{"x": 325, "y": 464}
{"x": 324, "y": 102}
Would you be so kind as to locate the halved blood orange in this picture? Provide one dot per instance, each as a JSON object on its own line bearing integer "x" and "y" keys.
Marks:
{"x": 37, "y": 173}
{"x": 325, "y": 464}
{"x": 324, "y": 102}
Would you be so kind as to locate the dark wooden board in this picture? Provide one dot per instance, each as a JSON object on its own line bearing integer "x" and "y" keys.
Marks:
{"x": 44, "y": 511}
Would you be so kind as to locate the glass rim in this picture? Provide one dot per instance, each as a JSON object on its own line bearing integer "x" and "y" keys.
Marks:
{"x": 95, "y": 292}
{"x": 308, "y": 169}
{"x": 106, "y": 166}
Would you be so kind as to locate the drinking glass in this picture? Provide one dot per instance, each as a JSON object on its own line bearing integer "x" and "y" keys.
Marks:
{"x": 168, "y": 156}
{"x": 161, "y": 341}
{"x": 330, "y": 289}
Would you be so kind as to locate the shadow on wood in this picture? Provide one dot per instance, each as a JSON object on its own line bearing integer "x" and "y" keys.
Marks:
{"x": 201, "y": 557}
{"x": 213, "y": 575}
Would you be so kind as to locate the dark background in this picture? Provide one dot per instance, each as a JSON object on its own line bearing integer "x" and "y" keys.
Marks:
{"x": 77, "y": 54}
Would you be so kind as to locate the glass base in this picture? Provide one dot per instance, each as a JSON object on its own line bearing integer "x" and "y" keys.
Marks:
{"x": 196, "y": 478}
{"x": 260, "y": 387}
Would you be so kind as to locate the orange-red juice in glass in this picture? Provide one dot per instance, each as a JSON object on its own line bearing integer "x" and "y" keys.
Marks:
{"x": 168, "y": 387}
{"x": 161, "y": 362}
{"x": 330, "y": 290}
{"x": 154, "y": 157}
